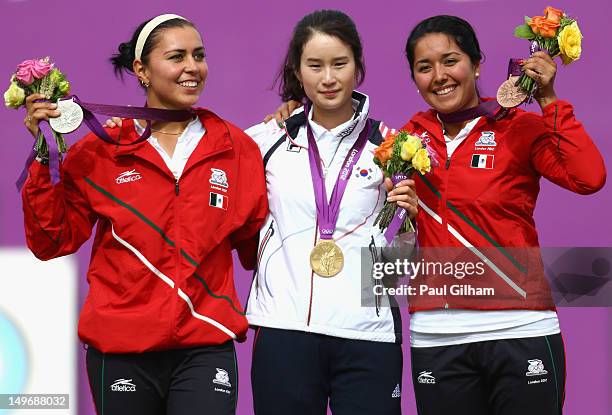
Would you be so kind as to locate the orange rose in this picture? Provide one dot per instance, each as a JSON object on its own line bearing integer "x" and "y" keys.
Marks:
{"x": 385, "y": 150}
{"x": 552, "y": 14}
{"x": 543, "y": 27}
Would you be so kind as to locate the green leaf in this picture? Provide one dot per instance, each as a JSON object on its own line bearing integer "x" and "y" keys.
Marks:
{"x": 524, "y": 32}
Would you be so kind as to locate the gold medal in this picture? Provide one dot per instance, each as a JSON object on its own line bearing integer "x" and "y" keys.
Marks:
{"x": 510, "y": 95}
{"x": 326, "y": 259}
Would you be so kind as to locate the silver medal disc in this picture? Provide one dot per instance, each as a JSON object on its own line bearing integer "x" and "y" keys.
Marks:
{"x": 70, "y": 119}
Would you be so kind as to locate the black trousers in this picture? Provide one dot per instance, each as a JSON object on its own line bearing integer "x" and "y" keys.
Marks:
{"x": 201, "y": 380}
{"x": 297, "y": 373}
{"x": 524, "y": 376}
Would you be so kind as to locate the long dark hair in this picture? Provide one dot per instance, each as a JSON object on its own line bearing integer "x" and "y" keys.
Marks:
{"x": 329, "y": 22}
{"x": 458, "y": 29}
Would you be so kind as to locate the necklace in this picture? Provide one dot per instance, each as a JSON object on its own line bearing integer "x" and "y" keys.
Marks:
{"x": 169, "y": 133}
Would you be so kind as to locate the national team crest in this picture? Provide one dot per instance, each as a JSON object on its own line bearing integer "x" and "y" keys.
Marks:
{"x": 487, "y": 139}
{"x": 218, "y": 177}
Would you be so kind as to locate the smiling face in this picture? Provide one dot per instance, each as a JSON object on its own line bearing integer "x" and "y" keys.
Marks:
{"x": 444, "y": 74}
{"x": 327, "y": 71}
{"x": 176, "y": 69}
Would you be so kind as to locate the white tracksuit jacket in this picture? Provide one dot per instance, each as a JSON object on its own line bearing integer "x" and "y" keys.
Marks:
{"x": 285, "y": 293}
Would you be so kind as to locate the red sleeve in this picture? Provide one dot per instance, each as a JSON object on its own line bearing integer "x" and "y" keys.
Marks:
{"x": 58, "y": 219}
{"x": 253, "y": 207}
{"x": 565, "y": 154}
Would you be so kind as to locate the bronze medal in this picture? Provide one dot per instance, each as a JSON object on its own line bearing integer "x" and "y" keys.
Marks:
{"x": 326, "y": 259}
{"x": 510, "y": 95}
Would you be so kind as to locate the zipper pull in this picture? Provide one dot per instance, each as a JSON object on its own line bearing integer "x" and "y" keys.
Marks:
{"x": 176, "y": 187}
{"x": 447, "y": 164}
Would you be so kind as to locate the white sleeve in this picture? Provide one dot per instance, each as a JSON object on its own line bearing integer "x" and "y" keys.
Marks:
{"x": 265, "y": 134}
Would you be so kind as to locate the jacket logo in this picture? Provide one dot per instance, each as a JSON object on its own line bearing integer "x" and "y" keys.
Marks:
{"x": 535, "y": 368}
{"x": 426, "y": 377}
{"x": 218, "y": 177}
{"x": 397, "y": 393}
{"x": 218, "y": 201}
{"x": 123, "y": 385}
{"x": 128, "y": 176}
{"x": 487, "y": 139}
{"x": 222, "y": 378}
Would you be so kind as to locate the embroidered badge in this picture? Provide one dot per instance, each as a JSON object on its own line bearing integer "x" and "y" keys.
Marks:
{"x": 218, "y": 177}
{"x": 482, "y": 161}
{"x": 218, "y": 201}
{"x": 487, "y": 139}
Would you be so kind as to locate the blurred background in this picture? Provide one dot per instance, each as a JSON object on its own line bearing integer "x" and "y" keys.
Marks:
{"x": 245, "y": 42}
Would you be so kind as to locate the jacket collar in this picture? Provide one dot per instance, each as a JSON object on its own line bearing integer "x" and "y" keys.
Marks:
{"x": 297, "y": 120}
{"x": 216, "y": 140}
{"x": 428, "y": 120}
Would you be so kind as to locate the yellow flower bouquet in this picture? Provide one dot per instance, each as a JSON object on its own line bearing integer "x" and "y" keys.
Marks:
{"x": 399, "y": 155}
{"x": 554, "y": 32}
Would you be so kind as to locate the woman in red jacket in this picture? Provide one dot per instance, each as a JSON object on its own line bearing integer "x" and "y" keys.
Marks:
{"x": 502, "y": 353}
{"x": 162, "y": 312}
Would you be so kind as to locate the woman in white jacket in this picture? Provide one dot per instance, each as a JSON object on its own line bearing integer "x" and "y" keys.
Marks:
{"x": 323, "y": 337}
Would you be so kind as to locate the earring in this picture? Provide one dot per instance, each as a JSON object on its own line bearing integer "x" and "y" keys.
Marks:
{"x": 477, "y": 75}
{"x": 145, "y": 84}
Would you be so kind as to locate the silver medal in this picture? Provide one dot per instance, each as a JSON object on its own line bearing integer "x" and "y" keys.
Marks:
{"x": 70, "y": 119}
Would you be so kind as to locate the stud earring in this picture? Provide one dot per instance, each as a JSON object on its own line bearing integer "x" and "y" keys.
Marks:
{"x": 145, "y": 84}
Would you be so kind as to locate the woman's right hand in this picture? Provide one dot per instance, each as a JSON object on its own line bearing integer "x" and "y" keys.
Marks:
{"x": 38, "y": 111}
{"x": 114, "y": 122}
{"x": 283, "y": 112}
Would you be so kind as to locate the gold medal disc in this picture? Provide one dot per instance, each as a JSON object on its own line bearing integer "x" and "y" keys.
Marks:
{"x": 326, "y": 259}
{"x": 509, "y": 95}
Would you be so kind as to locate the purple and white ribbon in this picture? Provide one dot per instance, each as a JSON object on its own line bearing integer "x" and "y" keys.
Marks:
{"x": 328, "y": 211}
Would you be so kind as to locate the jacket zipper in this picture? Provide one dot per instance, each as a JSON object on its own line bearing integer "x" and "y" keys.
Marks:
{"x": 177, "y": 247}
{"x": 375, "y": 260}
{"x": 262, "y": 248}
{"x": 312, "y": 275}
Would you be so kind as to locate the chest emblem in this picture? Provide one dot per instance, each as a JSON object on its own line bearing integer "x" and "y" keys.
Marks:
{"x": 482, "y": 161}
{"x": 218, "y": 178}
{"x": 128, "y": 176}
{"x": 487, "y": 139}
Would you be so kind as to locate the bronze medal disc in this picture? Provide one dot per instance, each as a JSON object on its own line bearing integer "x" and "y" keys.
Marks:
{"x": 326, "y": 259}
{"x": 509, "y": 95}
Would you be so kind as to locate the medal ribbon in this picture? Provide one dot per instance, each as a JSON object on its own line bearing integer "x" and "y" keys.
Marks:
{"x": 328, "y": 212}
{"x": 94, "y": 125}
{"x": 400, "y": 213}
{"x": 489, "y": 109}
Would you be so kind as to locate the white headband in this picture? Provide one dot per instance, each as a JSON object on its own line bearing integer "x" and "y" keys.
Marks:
{"x": 148, "y": 28}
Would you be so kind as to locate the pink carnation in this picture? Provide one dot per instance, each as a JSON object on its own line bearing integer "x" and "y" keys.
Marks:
{"x": 31, "y": 69}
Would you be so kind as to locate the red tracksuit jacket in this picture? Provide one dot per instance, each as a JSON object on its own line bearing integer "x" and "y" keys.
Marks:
{"x": 485, "y": 195}
{"x": 161, "y": 274}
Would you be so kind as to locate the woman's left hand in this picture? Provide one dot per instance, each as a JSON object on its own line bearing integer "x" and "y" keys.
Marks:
{"x": 542, "y": 69}
{"x": 404, "y": 194}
